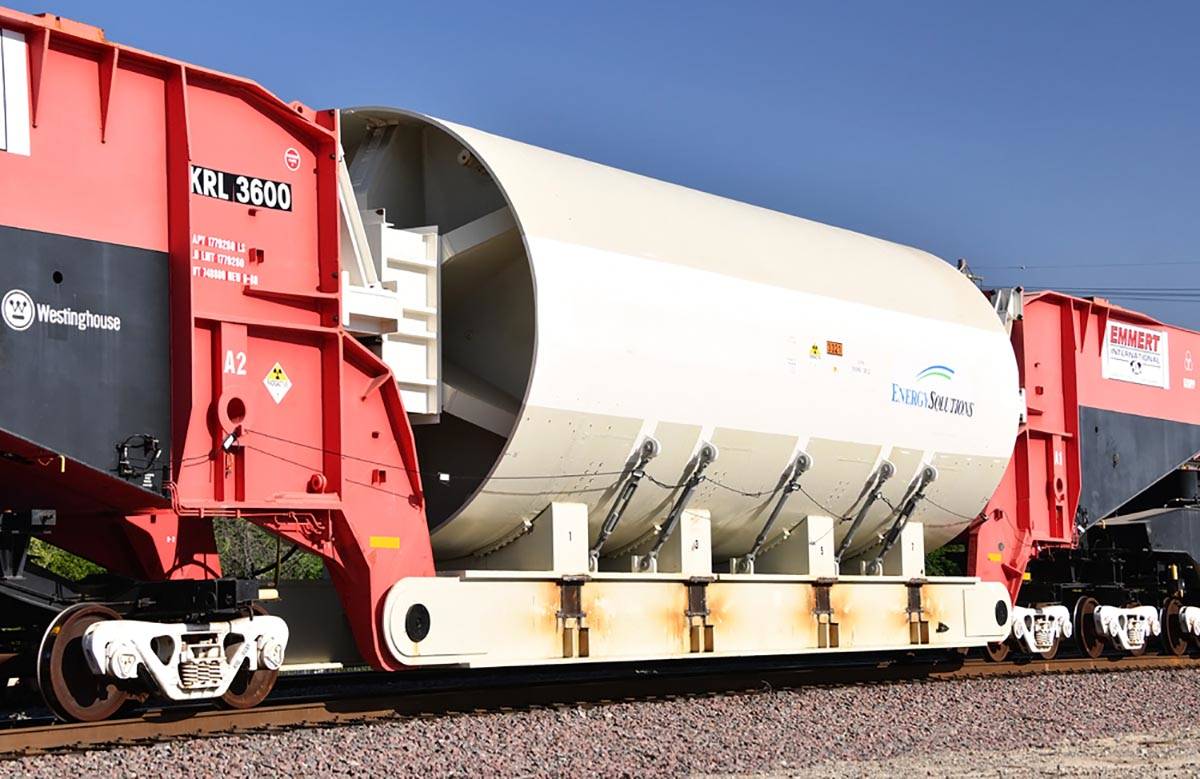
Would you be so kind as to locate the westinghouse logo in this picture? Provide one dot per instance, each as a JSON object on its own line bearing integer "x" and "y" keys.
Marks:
{"x": 17, "y": 309}
{"x": 19, "y": 312}
{"x": 934, "y": 400}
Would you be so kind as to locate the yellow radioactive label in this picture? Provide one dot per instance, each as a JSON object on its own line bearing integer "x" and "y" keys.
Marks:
{"x": 277, "y": 382}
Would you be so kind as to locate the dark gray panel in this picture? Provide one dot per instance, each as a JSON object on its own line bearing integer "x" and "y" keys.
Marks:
{"x": 1121, "y": 455}
{"x": 1176, "y": 531}
{"x": 84, "y": 346}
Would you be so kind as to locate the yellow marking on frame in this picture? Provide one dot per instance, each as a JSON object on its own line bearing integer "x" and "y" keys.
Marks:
{"x": 995, "y": 557}
{"x": 385, "y": 542}
{"x": 1027, "y": 577}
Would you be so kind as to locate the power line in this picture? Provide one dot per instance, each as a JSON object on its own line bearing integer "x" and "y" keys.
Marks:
{"x": 1147, "y": 294}
{"x": 1137, "y": 299}
{"x": 1126, "y": 288}
{"x": 1044, "y": 266}
{"x": 1137, "y": 290}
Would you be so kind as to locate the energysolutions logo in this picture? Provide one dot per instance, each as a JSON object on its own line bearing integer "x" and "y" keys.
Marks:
{"x": 20, "y": 311}
{"x": 937, "y": 371}
{"x": 928, "y": 392}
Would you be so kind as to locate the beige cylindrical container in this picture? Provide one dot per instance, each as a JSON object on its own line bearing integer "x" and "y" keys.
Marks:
{"x": 586, "y": 309}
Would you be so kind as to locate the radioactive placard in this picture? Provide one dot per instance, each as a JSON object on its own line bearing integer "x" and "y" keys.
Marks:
{"x": 277, "y": 383}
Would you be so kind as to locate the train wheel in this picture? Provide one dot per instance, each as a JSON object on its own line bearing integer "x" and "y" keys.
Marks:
{"x": 1172, "y": 639}
{"x": 997, "y": 652}
{"x": 1090, "y": 642}
{"x": 250, "y": 688}
{"x": 69, "y": 687}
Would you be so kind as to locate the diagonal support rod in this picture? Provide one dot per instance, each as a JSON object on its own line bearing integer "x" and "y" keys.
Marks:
{"x": 707, "y": 455}
{"x": 795, "y": 470}
{"x": 869, "y": 495}
{"x": 647, "y": 452}
{"x": 914, "y": 495}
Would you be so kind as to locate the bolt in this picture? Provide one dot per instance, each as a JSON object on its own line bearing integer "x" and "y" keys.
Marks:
{"x": 271, "y": 655}
{"x": 122, "y": 661}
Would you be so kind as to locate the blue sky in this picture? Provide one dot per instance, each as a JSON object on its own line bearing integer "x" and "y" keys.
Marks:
{"x": 1048, "y": 135}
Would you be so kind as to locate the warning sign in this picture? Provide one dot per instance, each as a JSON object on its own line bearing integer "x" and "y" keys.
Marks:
{"x": 277, "y": 383}
{"x": 1135, "y": 354}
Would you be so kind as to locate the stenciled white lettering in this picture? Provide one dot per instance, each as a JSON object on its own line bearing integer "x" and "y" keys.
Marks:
{"x": 80, "y": 320}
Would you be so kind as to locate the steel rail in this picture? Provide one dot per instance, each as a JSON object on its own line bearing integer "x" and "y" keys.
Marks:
{"x": 479, "y": 691}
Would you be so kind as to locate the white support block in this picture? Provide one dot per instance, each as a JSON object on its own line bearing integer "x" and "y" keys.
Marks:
{"x": 806, "y": 550}
{"x": 557, "y": 543}
{"x": 3, "y": 104}
{"x": 689, "y": 549}
{"x": 390, "y": 290}
{"x": 368, "y": 310}
{"x": 14, "y": 102}
{"x": 907, "y": 556}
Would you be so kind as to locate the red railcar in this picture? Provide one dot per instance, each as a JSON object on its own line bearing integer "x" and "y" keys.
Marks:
{"x": 177, "y": 231}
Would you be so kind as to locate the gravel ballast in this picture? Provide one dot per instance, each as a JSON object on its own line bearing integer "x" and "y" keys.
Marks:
{"x": 1074, "y": 723}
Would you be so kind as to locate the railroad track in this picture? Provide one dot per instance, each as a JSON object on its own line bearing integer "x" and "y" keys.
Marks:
{"x": 363, "y": 697}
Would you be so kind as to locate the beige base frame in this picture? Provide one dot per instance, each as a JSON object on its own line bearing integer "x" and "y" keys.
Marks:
{"x": 493, "y": 618}
{"x": 554, "y": 610}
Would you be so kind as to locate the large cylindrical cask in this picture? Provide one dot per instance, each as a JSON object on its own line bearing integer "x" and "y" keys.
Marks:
{"x": 585, "y": 309}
